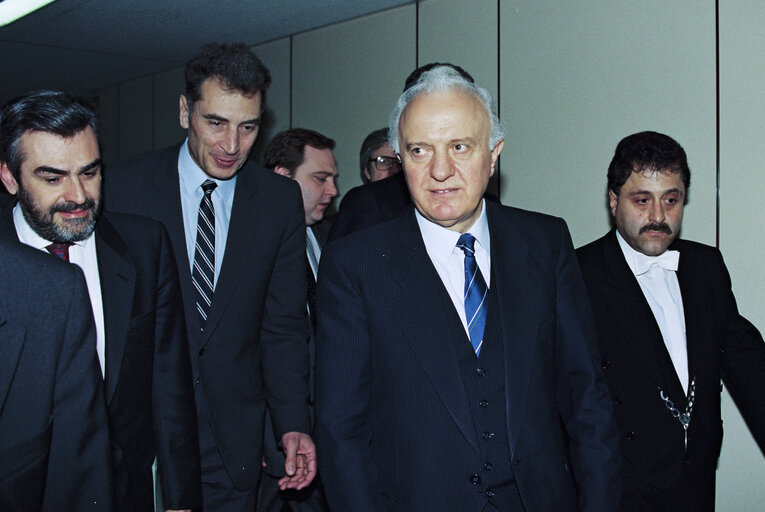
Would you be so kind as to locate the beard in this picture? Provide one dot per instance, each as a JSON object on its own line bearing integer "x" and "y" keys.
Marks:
{"x": 63, "y": 230}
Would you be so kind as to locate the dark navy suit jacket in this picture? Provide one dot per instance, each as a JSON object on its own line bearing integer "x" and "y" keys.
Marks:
{"x": 394, "y": 428}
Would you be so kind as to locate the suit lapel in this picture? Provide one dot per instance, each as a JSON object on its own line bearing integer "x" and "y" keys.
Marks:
{"x": 164, "y": 193}
{"x": 422, "y": 305}
{"x": 117, "y": 289}
{"x": 694, "y": 296}
{"x": 639, "y": 331}
{"x": 513, "y": 279}
{"x": 11, "y": 343}
{"x": 242, "y": 233}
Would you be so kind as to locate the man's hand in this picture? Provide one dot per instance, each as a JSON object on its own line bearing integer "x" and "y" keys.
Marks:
{"x": 300, "y": 463}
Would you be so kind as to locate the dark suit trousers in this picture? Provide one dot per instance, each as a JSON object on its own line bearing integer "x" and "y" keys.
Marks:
{"x": 218, "y": 491}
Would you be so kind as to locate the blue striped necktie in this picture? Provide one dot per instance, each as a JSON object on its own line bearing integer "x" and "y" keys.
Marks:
{"x": 203, "y": 273}
{"x": 476, "y": 292}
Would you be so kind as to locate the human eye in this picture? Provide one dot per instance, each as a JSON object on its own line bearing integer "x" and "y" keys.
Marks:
{"x": 214, "y": 123}
{"x": 461, "y": 148}
{"x": 249, "y": 128}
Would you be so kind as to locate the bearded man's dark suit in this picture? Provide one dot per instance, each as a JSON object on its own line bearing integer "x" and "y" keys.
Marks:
{"x": 658, "y": 474}
{"x": 253, "y": 347}
{"x": 397, "y": 428}
{"x": 54, "y": 434}
{"x": 147, "y": 381}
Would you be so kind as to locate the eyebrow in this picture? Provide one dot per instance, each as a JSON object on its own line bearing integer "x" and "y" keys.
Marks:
{"x": 215, "y": 117}
{"x": 54, "y": 170}
{"x": 664, "y": 192}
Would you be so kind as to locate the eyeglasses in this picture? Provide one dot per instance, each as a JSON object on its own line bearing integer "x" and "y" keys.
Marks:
{"x": 384, "y": 163}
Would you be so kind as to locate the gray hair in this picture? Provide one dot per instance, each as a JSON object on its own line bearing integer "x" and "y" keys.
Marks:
{"x": 445, "y": 78}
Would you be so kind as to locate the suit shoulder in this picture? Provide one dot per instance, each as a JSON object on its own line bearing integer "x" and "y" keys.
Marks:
{"x": 28, "y": 268}
{"x": 144, "y": 162}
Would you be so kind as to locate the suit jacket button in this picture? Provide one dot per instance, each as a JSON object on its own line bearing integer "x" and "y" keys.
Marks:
{"x": 480, "y": 372}
{"x": 483, "y": 404}
{"x": 618, "y": 400}
{"x": 488, "y": 466}
{"x": 487, "y": 435}
{"x": 475, "y": 479}
{"x": 606, "y": 365}
{"x": 631, "y": 435}
{"x": 489, "y": 493}
{"x": 197, "y": 381}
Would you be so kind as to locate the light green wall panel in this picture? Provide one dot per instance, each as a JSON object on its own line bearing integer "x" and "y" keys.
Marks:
{"x": 742, "y": 233}
{"x": 463, "y": 32}
{"x": 135, "y": 116}
{"x": 579, "y": 76}
{"x": 346, "y": 78}
{"x": 168, "y": 87}
{"x": 276, "y": 57}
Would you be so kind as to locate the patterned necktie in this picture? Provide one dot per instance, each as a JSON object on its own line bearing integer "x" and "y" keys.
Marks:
{"x": 475, "y": 293}
{"x": 203, "y": 274}
{"x": 60, "y": 250}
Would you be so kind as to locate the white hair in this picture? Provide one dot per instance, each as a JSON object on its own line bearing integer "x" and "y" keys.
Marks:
{"x": 445, "y": 78}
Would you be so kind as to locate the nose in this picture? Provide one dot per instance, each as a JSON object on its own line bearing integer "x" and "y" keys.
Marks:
{"x": 441, "y": 167}
{"x": 230, "y": 142}
{"x": 331, "y": 189}
{"x": 75, "y": 192}
{"x": 656, "y": 213}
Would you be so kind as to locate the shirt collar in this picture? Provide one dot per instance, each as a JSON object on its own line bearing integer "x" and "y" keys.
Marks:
{"x": 442, "y": 242}
{"x": 191, "y": 176}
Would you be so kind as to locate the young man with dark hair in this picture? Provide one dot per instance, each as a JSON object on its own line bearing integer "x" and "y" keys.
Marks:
{"x": 238, "y": 235}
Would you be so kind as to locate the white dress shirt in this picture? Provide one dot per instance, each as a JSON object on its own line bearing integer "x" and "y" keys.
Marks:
{"x": 449, "y": 260}
{"x": 662, "y": 291}
{"x": 190, "y": 178}
{"x": 82, "y": 254}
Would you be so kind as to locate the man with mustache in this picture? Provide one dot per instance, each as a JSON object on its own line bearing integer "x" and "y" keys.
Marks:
{"x": 669, "y": 331}
{"x": 50, "y": 159}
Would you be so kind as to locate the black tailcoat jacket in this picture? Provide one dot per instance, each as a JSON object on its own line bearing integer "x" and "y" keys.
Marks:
{"x": 658, "y": 472}
{"x": 253, "y": 350}
{"x": 394, "y": 427}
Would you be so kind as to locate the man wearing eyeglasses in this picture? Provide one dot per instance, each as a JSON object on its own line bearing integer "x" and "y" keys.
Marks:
{"x": 376, "y": 159}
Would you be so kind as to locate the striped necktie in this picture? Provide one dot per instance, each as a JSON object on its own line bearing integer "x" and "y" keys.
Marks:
{"x": 475, "y": 293}
{"x": 203, "y": 273}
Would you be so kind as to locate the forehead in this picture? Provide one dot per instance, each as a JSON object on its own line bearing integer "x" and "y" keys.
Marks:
{"x": 318, "y": 160}
{"x": 217, "y": 99}
{"x": 384, "y": 150}
{"x": 654, "y": 181}
{"x": 51, "y": 150}
{"x": 444, "y": 115}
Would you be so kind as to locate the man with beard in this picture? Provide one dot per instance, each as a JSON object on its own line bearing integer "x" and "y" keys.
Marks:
{"x": 668, "y": 330}
{"x": 49, "y": 158}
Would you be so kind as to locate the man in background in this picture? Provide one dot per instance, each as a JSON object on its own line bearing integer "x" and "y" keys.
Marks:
{"x": 306, "y": 157}
{"x": 669, "y": 330}
{"x": 376, "y": 158}
{"x": 238, "y": 232}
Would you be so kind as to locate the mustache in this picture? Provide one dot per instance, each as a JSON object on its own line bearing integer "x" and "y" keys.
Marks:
{"x": 71, "y": 206}
{"x": 661, "y": 227}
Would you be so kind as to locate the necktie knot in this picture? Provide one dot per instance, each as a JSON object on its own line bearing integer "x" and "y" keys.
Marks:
{"x": 466, "y": 242}
{"x": 208, "y": 186}
{"x": 59, "y": 249}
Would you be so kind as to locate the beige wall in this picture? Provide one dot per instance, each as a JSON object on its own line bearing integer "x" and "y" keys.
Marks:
{"x": 572, "y": 79}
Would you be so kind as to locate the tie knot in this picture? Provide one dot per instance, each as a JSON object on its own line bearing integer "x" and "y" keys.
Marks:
{"x": 208, "y": 186}
{"x": 466, "y": 242}
{"x": 59, "y": 249}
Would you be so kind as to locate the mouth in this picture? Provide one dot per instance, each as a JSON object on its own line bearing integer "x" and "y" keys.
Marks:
{"x": 656, "y": 229}
{"x": 443, "y": 191}
{"x": 225, "y": 163}
{"x": 76, "y": 214}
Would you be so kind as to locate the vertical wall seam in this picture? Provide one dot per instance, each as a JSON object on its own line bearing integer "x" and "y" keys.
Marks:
{"x": 292, "y": 78}
{"x": 499, "y": 89}
{"x": 153, "y": 111}
{"x": 717, "y": 123}
{"x": 417, "y": 35}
